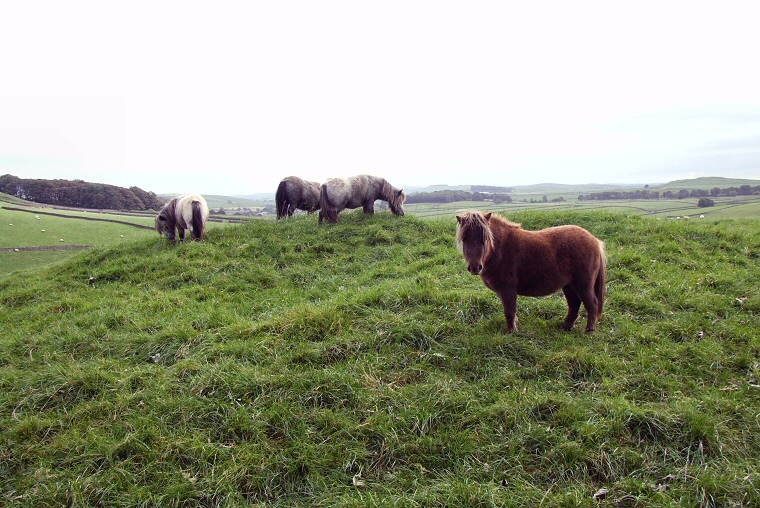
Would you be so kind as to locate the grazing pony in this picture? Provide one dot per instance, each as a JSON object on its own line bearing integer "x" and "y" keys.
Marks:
{"x": 293, "y": 194}
{"x": 512, "y": 261}
{"x": 181, "y": 213}
{"x": 355, "y": 191}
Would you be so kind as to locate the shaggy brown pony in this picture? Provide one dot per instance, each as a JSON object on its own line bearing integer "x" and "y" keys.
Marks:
{"x": 512, "y": 261}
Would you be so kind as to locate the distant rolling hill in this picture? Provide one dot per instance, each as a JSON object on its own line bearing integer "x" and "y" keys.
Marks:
{"x": 707, "y": 182}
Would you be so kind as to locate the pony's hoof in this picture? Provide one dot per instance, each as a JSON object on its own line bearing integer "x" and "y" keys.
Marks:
{"x": 590, "y": 330}
{"x": 566, "y": 327}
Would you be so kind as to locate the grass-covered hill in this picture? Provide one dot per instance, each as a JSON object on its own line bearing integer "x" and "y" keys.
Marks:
{"x": 358, "y": 364}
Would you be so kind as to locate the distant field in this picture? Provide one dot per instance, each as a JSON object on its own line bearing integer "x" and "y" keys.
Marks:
{"x": 739, "y": 207}
{"x": 228, "y": 202}
{"x": 22, "y": 229}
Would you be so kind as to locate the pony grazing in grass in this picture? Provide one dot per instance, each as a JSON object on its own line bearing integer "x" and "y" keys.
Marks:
{"x": 355, "y": 191}
{"x": 293, "y": 194}
{"x": 181, "y": 213}
{"x": 512, "y": 261}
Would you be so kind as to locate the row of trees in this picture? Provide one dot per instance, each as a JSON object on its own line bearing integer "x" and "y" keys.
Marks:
{"x": 492, "y": 189}
{"x": 744, "y": 190}
{"x": 80, "y": 194}
{"x": 450, "y": 196}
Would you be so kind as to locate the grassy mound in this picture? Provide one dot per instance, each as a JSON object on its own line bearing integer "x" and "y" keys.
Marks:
{"x": 358, "y": 364}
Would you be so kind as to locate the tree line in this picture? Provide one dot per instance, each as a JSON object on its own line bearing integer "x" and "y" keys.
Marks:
{"x": 492, "y": 189}
{"x": 80, "y": 194}
{"x": 450, "y": 196}
{"x": 744, "y": 190}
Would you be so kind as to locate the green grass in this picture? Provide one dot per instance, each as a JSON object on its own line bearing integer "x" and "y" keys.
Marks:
{"x": 11, "y": 262}
{"x": 358, "y": 364}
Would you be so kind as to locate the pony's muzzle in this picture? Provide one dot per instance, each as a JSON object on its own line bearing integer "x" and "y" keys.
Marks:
{"x": 475, "y": 269}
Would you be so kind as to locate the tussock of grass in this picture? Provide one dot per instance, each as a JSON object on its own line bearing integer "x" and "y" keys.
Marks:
{"x": 358, "y": 364}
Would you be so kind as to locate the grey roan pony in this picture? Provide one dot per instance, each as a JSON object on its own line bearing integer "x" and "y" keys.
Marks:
{"x": 294, "y": 193}
{"x": 355, "y": 191}
{"x": 181, "y": 213}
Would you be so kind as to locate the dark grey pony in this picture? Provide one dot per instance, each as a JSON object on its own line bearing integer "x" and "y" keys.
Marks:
{"x": 293, "y": 194}
{"x": 181, "y": 213}
{"x": 355, "y": 191}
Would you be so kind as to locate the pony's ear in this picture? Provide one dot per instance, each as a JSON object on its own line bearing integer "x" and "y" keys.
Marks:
{"x": 459, "y": 219}
{"x": 487, "y": 216}
{"x": 400, "y": 192}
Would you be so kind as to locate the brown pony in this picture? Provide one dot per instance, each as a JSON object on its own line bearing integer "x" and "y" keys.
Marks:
{"x": 512, "y": 261}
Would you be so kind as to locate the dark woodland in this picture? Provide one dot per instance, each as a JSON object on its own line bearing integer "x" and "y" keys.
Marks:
{"x": 80, "y": 194}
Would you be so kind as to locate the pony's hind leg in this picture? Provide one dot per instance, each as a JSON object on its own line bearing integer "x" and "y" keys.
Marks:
{"x": 591, "y": 303}
{"x": 573, "y": 306}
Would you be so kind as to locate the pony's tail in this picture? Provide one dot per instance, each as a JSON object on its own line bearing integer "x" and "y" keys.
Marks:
{"x": 199, "y": 222}
{"x": 326, "y": 209}
{"x": 281, "y": 200}
{"x": 600, "y": 286}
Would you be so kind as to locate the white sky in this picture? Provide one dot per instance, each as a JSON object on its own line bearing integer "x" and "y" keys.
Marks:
{"x": 230, "y": 97}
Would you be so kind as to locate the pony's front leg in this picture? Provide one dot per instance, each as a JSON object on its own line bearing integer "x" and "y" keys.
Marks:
{"x": 509, "y": 302}
{"x": 181, "y": 233}
{"x": 369, "y": 208}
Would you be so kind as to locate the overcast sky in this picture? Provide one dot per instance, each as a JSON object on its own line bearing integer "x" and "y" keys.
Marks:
{"x": 230, "y": 97}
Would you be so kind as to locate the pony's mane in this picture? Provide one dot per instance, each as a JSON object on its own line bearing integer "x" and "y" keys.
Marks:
{"x": 473, "y": 219}
{"x": 391, "y": 194}
{"x": 469, "y": 220}
{"x": 169, "y": 212}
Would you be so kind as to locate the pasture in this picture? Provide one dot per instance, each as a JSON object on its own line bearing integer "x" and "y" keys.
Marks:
{"x": 738, "y": 207}
{"x": 359, "y": 364}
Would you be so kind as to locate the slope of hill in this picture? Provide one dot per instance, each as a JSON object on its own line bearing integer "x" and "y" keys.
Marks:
{"x": 358, "y": 364}
{"x": 707, "y": 183}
